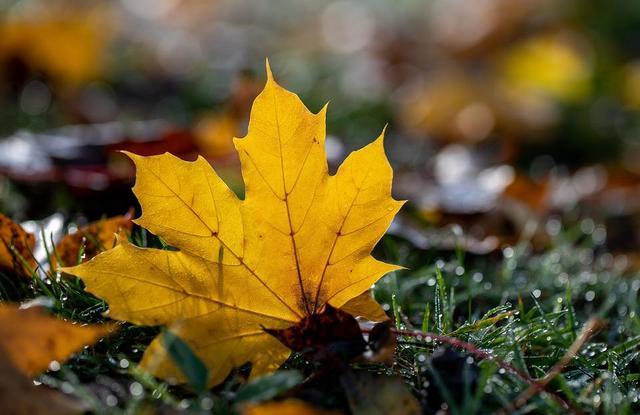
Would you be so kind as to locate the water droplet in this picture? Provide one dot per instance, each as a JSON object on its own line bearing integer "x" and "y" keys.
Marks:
{"x": 206, "y": 404}
{"x": 136, "y": 388}
{"x": 66, "y": 387}
{"x": 111, "y": 400}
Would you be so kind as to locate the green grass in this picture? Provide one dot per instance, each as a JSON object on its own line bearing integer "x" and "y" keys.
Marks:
{"x": 522, "y": 309}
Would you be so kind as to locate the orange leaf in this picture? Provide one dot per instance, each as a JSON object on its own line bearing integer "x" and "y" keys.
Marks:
{"x": 288, "y": 407}
{"x": 31, "y": 339}
{"x": 16, "y": 246}
{"x": 96, "y": 236}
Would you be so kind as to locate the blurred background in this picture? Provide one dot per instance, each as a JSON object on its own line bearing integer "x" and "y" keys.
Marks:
{"x": 508, "y": 119}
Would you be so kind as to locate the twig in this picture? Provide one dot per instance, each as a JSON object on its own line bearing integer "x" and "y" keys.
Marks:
{"x": 590, "y": 328}
{"x": 481, "y": 354}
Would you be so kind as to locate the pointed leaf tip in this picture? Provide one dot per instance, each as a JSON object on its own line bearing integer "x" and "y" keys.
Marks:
{"x": 268, "y": 68}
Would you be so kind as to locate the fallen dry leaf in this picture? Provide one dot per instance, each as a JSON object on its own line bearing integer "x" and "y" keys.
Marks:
{"x": 332, "y": 333}
{"x": 96, "y": 237}
{"x": 19, "y": 396}
{"x": 373, "y": 394}
{"x": 288, "y": 407}
{"x": 29, "y": 341}
{"x": 15, "y": 240}
{"x": 299, "y": 240}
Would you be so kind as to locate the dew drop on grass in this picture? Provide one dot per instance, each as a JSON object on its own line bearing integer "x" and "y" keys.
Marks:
{"x": 136, "y": 389}
{"x": 111, "y": 400}
{"x": 54, "y": 366}
{"x": 537, "y": 293}
{"x": 589, "y": 296}
{"x": 587, "y": 226}
{"x": 508, "y": 252}
{"x": 67, "y": 387}
{"x": 206, "y": 403}
{"x": 124, "y": 363}
{"x": 553, "y": 226}
{"x": 477, "y": 277}
{"x": 563, "y": 278}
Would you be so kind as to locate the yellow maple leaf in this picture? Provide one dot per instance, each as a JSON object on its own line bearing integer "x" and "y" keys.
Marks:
{"x": 299, "y": 240}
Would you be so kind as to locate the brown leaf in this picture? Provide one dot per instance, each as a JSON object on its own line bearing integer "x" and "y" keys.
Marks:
{"x": 382, "y": 343}
{"x": 534, "y": 195}
{"x": 30, "y": 339}
{"x": 288, "y": 407}
{"x": 19, "y": 396}
{"x": 15, "y": 242}
{"x": 371, "y": 394}
{"x": 96, "y": 236}
{"x": 333, "y": 330}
